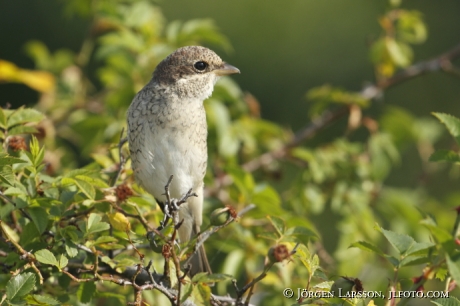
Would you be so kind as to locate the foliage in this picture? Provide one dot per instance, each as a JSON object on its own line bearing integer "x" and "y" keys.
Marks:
{"x": 77, "y": 229}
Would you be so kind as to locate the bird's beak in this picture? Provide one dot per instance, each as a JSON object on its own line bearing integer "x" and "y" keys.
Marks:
{"x": 226, "y": 70}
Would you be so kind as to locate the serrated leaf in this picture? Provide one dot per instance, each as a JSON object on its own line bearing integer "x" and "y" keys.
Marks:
{"x": 413, "y": 260}
{"x": 366, "y": 246}
{"x": 71, "y": 250}
{"x": 24, "y": 115}
{"x": 419, "y": 247}
{"x": 6, "y": 175}
{"x": 63, "y": 261}
{"x": 452, "y": 124}
{"x": 15, "y": 191}
{"x": 210, "y": 278}
{"x": 105, "y": 239}
{"x": 44, "y": 300}
{"x": 22, "y": 129}
{"x": 75, "y": 172}
{"x": 278, "y": 224}
{"x": 440, "y": 234}
{"x": 86, "y": 188}
{"x": 399, "y": 241}
{"x": 20, "y": 285}
{"x": 445, "y": 155}
{"x": 93, "y": 181}
{"x": 95, "y": 224}
{"x": 39, "y": 217}
{"x": 10, "y": 160}
{"x": 46, "y": 257}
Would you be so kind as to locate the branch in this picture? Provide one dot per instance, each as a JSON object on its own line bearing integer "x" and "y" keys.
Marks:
{"x": 205, "y": 235}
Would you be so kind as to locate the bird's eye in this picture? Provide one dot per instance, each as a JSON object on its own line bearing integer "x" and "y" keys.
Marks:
{"x": 200, "y": 65}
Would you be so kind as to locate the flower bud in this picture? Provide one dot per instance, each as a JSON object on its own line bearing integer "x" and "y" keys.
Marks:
{"x": 220, "y": 216}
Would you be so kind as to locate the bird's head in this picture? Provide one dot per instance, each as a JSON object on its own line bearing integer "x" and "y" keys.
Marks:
{"x": 192, "y": 70}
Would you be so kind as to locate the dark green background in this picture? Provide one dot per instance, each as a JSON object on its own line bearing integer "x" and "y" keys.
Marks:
{"x": 283, "y": 47}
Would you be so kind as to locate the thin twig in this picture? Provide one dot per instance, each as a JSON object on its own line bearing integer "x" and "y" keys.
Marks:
{"x": 8, "y": 200}
{"x": 205, "y": 235}
{"x": 24, "y": 254}
{"x": 122, "y": 159}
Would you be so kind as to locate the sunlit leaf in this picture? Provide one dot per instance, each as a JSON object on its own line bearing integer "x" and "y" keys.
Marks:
{"x": 20, "y": 285}
{"x": 452, "y": 124}
{"x": 46, "y": 257}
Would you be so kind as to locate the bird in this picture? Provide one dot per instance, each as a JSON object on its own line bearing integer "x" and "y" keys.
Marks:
{"x": 167, "y": 134}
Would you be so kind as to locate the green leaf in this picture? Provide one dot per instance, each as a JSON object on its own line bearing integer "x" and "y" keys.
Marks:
{"x": 46, "y": 257}
{"x": 63, "y": 261}
{"x": 91, "y": 180}
{"x": 419, "y": 248}
{"x": 20, "y": 285}
{"x": 400, "y": 242}
{"x": 22, "y": 129}
{"x": 302, "y": 233}
{"x": 278, "y": 224}
{"x": 10, "y": 160}
{"x": 86, "y": 188}
{"x": 2, "y": 119}
{"x": 6, "y": 175}
{"x": 24, "y": 115}
{"x": 95, "y": 224}
{"x": 303, "y": 255}
{"x": 201, "y": 294}
{"x": 450, "y": 301}
{"x": 86, "y": 292}
{"x": 210, "y": 278}
{"x": 400, "y": 53}
{"x": 39, "y": 217}
{"x": 267, "y": 200}
{"x": 71, "y": 249}
{"x": 440, "y": 234}
{"x": 42, "y": 300}
{"x": 413, "y": 260}
{"x": 452, "y": 124}
{"x": 186, "y": 291}
{"x": 453, "y": 264}
{"x": 445, "y": 155}
{"x": 75, "y": 172}
{"x": 366, "y": 246}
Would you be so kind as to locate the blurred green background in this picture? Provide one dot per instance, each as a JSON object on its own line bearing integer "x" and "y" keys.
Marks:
{"x": 283, "y": 48}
